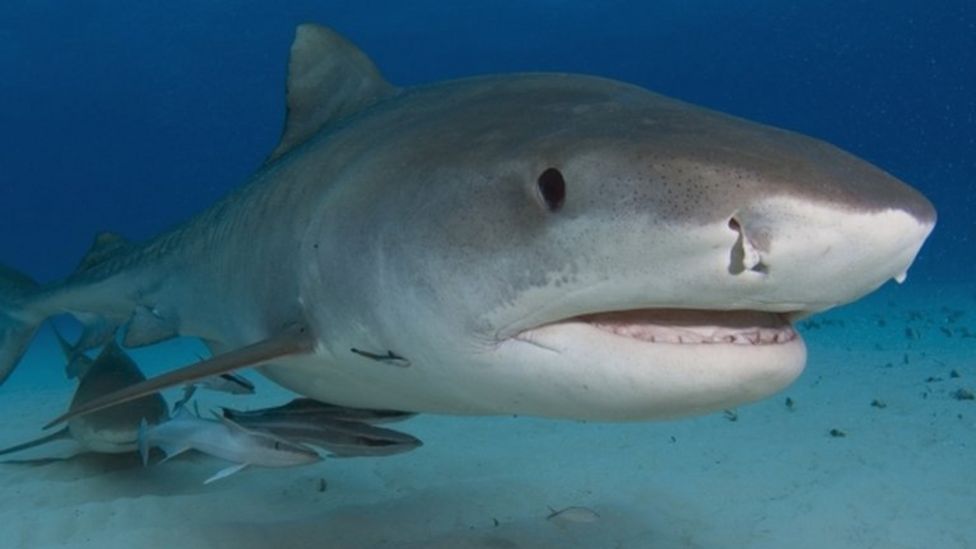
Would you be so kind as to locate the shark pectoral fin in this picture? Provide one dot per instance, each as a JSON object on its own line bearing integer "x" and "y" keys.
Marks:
{"x": 149, "y": 325}
{"x": 63, "y": 433}
{"x": 224, "y": 473}
{"x": 293, "y": 340}
{"x": 171, "y": 451}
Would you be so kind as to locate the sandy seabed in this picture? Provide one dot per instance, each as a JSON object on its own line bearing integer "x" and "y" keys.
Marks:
{"x": 903, "y": 476}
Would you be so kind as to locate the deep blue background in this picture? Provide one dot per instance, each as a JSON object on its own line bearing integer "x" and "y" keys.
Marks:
{"x": 131, "y": 116}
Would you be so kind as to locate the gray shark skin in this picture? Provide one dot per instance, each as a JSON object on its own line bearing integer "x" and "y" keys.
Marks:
{"x": 546, "y": 244}
{"x": 113, "y": 430}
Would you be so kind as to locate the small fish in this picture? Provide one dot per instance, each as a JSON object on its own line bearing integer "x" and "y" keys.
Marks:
{"x": 313, "y": 411}
{"x": 341, "y": 438}
{"x": 225, "y": 383}
{"x": 389, "y": 357}
{"x": 573, "y": 514}
{"x": 224, "y": 439}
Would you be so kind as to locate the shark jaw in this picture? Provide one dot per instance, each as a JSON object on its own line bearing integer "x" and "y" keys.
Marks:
{"x": 664, "y": 363}
{"x": 655, "y": 347}
{"x": 685, "y": 326}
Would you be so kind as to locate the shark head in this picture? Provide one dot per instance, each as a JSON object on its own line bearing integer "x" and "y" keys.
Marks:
{"x": 571, "y": 246}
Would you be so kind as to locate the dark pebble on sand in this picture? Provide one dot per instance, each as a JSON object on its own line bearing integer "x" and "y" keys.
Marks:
{"x": 963, "y": 394}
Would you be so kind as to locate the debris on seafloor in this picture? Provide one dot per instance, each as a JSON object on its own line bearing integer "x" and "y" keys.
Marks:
{"x": 574, "y": 514}
{"x": 963, "y": 394}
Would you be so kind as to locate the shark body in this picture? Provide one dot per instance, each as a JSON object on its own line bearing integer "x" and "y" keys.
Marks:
{"x": 113, "y": 430}
{"x": 544, "y": 244}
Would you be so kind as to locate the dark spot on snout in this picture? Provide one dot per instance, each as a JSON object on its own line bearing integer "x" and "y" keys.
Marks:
{"x": 552, "y": 188}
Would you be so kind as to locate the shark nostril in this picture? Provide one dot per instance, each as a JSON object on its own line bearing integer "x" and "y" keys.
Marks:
{"x": 744, "y": 256}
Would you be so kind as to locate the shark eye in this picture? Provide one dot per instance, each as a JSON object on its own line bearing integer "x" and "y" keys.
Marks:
{"x": 552, "y": 188}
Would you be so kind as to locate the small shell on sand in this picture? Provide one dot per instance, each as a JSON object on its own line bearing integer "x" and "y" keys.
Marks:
{"x": 573, "y": 514}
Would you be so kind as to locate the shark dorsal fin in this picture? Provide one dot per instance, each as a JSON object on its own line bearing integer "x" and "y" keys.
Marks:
{"x": 106, "y": 246}
{"x": 328, "y": 78}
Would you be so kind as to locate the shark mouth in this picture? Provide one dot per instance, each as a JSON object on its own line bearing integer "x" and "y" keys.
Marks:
{"x": 689, "y": 326}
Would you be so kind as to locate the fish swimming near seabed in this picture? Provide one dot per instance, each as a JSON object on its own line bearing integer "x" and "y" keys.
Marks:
{"x": 223, "y": 439}
{"x": 311, "y": 411}
{"x": 229, "y": 383}
{"x": 112, "y": 430}
{"x": 341, "y": 438}
{"x": 556, "y": 245}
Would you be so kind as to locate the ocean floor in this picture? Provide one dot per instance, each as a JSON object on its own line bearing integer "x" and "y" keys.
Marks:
{"x": 899, "y": 470}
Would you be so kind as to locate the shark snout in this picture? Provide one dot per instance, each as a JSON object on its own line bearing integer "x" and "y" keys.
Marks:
{"x": 812, "y": 255}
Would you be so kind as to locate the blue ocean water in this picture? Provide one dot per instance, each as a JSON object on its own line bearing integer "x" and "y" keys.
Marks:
{"x": 133, "y": 116}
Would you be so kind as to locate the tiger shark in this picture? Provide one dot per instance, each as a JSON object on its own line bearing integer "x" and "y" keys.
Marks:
{"x": 109, "y": 431}
{"x": 556, "y": 245}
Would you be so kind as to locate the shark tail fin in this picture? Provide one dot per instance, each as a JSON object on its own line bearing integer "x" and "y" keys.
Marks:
{"x": 25, "y": 305}
{"x": 18, "y": 324}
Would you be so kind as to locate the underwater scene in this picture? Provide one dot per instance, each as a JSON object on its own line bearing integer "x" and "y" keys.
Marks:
{"x": 508, "y": 274}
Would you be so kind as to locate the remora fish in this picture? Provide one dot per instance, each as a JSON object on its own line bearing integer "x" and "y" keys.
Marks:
{"x": 225, "y": 383}
{"x": 223, "y": 439}
{"x": 112, "y": 430}
{"x": 547, "y": 244}
{"x": 341, "y": 438}
{"x": 312, "y": 411}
